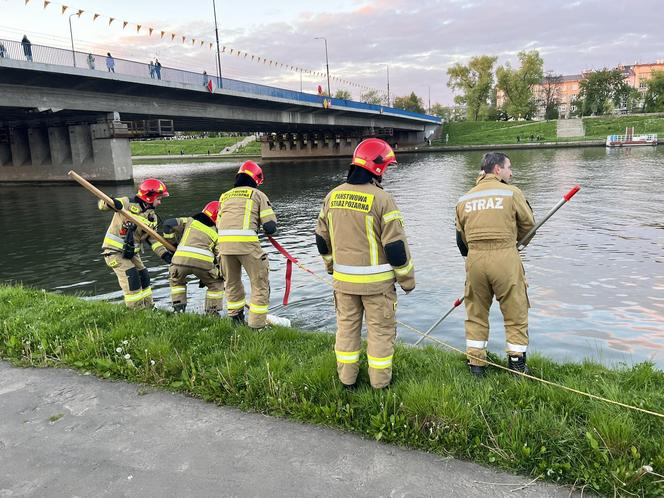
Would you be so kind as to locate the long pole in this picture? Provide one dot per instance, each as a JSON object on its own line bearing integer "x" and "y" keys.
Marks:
{"x": 429, "y": 112}
{"x": 388, "y": 84}
{"x": 520, "y": 246}
{"x": 71, "y": 36}
{"x": 216, "y": 34}
{"x": 327, "y": 65}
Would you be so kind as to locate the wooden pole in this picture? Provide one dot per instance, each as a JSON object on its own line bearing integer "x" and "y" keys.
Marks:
{"x": 109, "y": 201}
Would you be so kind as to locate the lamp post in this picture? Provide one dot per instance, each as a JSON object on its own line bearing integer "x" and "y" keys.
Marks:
{"x": 327, "y": 65}
{"x": 216, "y": 34}
{"x": 388, "y": 84}
{"x": 429, "y": 111}
{"x": 71, "y": 36}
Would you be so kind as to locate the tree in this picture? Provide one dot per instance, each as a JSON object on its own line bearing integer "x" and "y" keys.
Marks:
{"x": 517, "y": 85}
{"x": 441, "y": 111}
{"x": 342, "y": 94}
{"x": 372, "y": 97}
{"x": 411, "y": 103}
{"x": 475, "y": 81}
{"x": 600, "y": 91}
{"x": 653, "y": 100}
{"x": 549, "y": 95}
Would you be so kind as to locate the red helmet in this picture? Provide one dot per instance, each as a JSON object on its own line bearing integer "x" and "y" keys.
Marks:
{"x": 151, "y": 189}
{"x": 211, "y": 210}
{"x": 253, "y": 170}
{"x": 373, "y": 154}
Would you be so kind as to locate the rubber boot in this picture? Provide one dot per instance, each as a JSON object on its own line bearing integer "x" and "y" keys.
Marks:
{"x": 477, "y": 370}
{"x": 239, "y": 318}
{"x": 350, "y": 387}
{"x": 179, "y": 308}
{"x": 518, "y": 363}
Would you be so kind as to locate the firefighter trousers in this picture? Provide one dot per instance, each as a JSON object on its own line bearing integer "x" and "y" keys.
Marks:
{"x": 380, "y": 313}
{"x": 133, "y": 278}
{"x": 214, "y": 296}
{"x": 257, "y": 268}
{"x": 495, "y": 269}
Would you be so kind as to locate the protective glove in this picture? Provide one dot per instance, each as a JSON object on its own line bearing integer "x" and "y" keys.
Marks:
{"x": 117, "y": 204}
{"x": 128, "y": 249}
{"x": 167, "y": 257}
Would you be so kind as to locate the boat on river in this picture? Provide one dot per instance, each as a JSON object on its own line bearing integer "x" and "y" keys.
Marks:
{"x": 629, "y": 139}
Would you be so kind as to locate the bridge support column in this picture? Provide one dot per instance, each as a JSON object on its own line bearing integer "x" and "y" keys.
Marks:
{"x": 311, "y": 145}
{"x": 99, "y": 152}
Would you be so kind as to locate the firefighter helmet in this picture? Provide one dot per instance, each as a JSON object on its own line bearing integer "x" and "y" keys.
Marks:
{"x": 253, "y": 170}
{"x": 211, "y": 210}
{"x": 374, "y": 155}
{"x": 151, "y": 189}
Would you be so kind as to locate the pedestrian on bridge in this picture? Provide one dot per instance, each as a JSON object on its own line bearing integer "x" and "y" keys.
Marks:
{"x": 91, "y": 61}
{"x": 151, "y": 69}
{"x": 157, "y": 68}
{"x": 490, "y": 219}
{"x": 27, "y": 48}
{"x": 360, "y": 235}
{"x": 110, "y": 62}
{"x": 123, "y": 242}
{"x": 3, "y": 51}
{"x": 243, "y": 210}
{"x": 196, "y": 241}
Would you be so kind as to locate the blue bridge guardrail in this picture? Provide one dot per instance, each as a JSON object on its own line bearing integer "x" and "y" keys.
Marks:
{"x": 12, "y": 49}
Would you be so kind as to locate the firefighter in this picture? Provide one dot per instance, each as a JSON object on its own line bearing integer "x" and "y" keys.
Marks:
{"x": 243, "y": 210}
{"x": 196, "y": 241}
{"x": 490, "y": 219}
{"x": 123, "y": 241}
{"x": 360, "y": 235}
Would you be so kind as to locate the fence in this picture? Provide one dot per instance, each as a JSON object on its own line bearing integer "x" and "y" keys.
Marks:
{"x": 96, "y": 62}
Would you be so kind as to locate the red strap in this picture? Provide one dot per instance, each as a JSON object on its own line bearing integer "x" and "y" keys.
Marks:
{"x": 289, "y": 266}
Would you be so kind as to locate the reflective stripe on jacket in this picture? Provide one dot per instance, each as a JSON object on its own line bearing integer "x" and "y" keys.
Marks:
{"x": 197, "y": 246}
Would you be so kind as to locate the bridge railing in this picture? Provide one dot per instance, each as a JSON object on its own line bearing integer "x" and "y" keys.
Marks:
{"x": 96, "y": 62}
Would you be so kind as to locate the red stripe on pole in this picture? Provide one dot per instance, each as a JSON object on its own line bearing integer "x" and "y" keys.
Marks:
{"x": 571, "y": 193}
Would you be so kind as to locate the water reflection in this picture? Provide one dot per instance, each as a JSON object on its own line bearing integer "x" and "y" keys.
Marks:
{"x": 595, "y": 269}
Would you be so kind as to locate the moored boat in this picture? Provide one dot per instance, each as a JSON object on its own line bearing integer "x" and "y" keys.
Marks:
{"x": 629, "y": 139}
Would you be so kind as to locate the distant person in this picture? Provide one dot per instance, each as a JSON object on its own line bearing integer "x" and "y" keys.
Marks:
{"x": 27, "y": 48}
{"x": 151, "y": 69}
{"x": 91, "y": 61}
{"x": 518, "y": 139}
{"x": 206, "y": 79}
{"x": 3, "y": 51}
{"x": 447, "y": 137}
{"x": 110, "y": 62}
{"x": 157, "y": 68}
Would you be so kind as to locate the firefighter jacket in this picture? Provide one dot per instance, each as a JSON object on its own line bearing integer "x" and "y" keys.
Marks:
{"x": 196, "y": 240}
{"x": 493, "y": 211}
{"x": 360, "y": 235}
{"x": 242, "y": 212}
{"x": 114, "y": 239}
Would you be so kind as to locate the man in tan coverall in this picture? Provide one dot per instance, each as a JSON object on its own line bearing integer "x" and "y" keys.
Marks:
{"x": 196, "y": 240}
{"x": 123, "y": 241}
{"x": 490, "y": 219}
{"x": 361, "y": 237}
{"x": 242, "y": 211}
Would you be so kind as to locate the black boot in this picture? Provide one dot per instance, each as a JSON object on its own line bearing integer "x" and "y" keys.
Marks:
{"x": 239, "y": 318}
{"x": 477, "y": 370}
{"x": 179, "y": 308}
{"x": 350, "y": 387}
{"x": 518, "y": 363}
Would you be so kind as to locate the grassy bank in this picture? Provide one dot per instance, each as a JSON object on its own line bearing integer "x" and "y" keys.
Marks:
{"x": 173, "y": 147}
{"x": 601, "y": 127}
{"x": 433, "y": 404}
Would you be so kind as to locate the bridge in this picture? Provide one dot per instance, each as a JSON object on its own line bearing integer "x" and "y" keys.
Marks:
{"x": 60, "y": 111}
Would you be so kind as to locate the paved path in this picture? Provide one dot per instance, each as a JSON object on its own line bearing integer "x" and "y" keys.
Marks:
{"x": 66, "y": 434}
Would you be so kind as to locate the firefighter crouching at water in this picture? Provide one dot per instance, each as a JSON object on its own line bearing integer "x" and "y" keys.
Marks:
{"x": 490, "y": 219}
{"x": 196, "y": 240}
{"x": 123, "y": 241}
{"x": 361, "y": 237}
{"x": 242, "y": 212}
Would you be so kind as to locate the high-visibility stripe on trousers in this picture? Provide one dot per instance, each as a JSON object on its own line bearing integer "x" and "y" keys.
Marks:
{"x": 214, "y": 296}
{"x": 258, "y": 271}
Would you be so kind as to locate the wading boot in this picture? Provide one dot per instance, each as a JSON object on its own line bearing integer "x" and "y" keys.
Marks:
{"x": 477, "y": 370}
{"x": 239, "y": 318}
{"x": 179, "y": 308}
{"x": 518, "y": 363}
{"x": 350, "y": 387}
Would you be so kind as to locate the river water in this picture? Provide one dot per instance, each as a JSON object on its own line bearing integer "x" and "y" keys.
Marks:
{"x": 596, "y": 269}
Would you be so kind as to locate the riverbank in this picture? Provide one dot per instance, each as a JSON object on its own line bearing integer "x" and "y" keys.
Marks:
{"x": 433, "y": 403}
{"x": 191, "y": 158}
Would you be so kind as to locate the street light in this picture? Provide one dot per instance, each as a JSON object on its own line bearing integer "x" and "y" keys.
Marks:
{"x": 327, "y": 65}
{"x": 388, "y": 84}
{"x": 216, "y": 33}
{"x": 71, "y": 35}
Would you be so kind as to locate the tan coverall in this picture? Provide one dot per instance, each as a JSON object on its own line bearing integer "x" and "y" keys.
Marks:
{"x": 132, "y": 275}
{"x": 491, "y": 218}
{"x": 356, "y": 223}
{"x": 196, "y": 240}
{"x": 242, "y": 211}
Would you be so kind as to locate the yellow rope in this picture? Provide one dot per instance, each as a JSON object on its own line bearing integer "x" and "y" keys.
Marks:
{"x": 532, "y": 377}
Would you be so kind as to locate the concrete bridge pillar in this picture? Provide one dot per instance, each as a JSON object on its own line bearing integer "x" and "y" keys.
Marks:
{"x": 313, "y": 145}
{"x": 97, "y": 151}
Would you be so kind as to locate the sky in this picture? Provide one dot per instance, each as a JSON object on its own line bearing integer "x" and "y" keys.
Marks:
{"x": 418, "y": 41}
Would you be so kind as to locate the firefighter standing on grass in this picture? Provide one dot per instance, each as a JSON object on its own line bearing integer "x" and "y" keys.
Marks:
{"x": 123, "y": 241}
{"x": 490, "y": 219}
{"x": 243, "y": 210}
{"x": 196, "y": 241}
{"x": 361, "y": 237}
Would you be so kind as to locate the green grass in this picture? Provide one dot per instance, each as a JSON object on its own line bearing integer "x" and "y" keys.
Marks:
{"x": 433, "y": 403}
{"x": 601, "y": 127}
{"x": 252, "y": 148}
{"x": 496, "y": 132}
{"x": 191, "y": 146}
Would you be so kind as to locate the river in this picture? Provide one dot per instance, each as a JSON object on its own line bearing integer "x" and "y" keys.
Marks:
{"x": 595, "y": 270}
